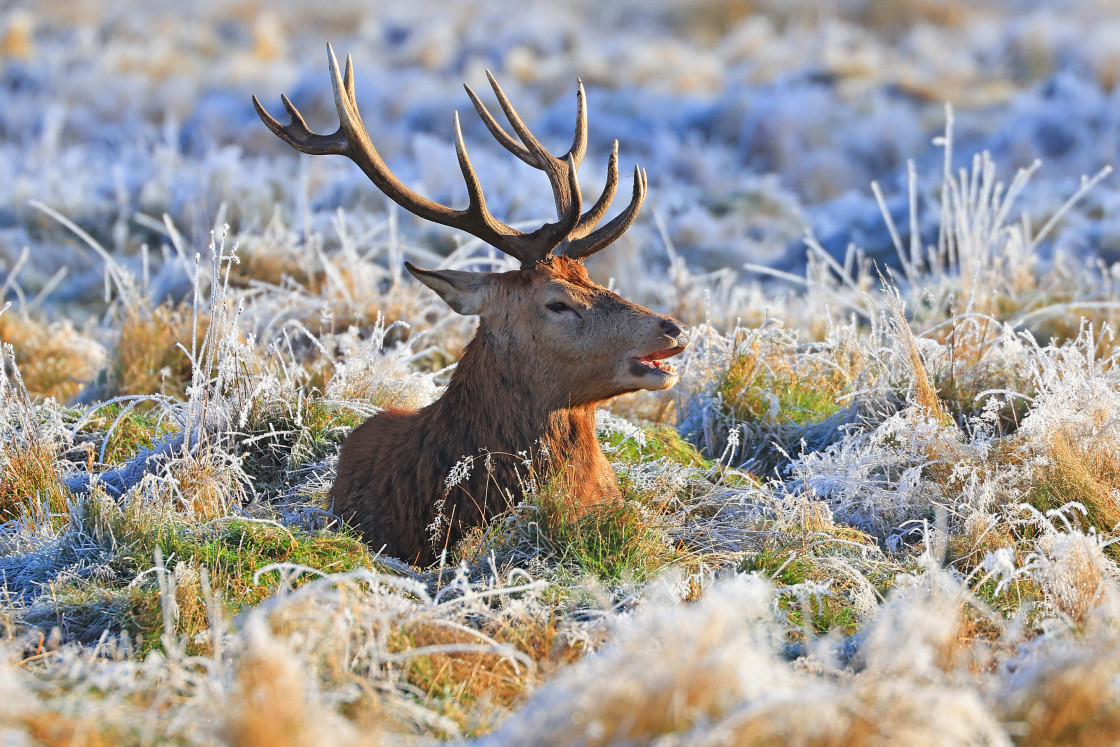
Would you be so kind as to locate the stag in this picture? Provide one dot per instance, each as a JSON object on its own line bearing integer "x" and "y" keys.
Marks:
{"x": 550, "y": 346}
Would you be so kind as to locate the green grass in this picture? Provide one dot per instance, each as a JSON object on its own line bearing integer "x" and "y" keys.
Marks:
{"x": 660, "y": 442}
{"x": 318, "y": 432}
{"x": 231, "y": 552}
{"x": 139, "y": 429}
{"x": 787, "y": 566}
{"x": 827, "y": 612}
{"x": 1022, "y": 595}
{"x": 234, "y": 551}
{"x": 612, "y": 542}
{"x": 804, "y": 393}
{"x": 323, "y": 427}
{"x": 789, "y": 569}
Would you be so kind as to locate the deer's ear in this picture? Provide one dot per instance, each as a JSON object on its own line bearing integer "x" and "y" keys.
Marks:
{"x": 466, "y": 292}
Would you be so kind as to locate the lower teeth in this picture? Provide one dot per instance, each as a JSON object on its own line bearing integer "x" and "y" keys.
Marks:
{"x": 659, "y": 366}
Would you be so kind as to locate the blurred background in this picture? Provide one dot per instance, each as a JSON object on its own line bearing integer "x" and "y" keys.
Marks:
{"x": 754, "y": 119}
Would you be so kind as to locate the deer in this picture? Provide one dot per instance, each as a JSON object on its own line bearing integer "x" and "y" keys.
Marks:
{"x": 550, "y": 346}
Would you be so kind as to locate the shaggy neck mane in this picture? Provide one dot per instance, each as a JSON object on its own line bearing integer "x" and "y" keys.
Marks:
{"x": 496, "y": 404}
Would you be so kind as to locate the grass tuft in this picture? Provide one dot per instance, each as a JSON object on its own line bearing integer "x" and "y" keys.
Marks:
{"x": 29, "y": 482}
{"x": 1083, "y": 471}
{"x": 611, "y": 541}
{"x": 147, "y": 359}
{"x": 653, "y": 442}
{"x": 231, "y": 552}
{"x": 138, "y": 429}
{"x": 766, "y": 385}
{"x": 475, "y": 688}
{"x": 54, "y": 359}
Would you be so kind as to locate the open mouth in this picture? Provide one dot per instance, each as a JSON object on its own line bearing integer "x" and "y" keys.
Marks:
{"x": 655, "y": 362}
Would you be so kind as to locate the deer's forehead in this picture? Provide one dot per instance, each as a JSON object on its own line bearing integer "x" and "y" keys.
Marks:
{"x": 559, "y": 279}
{"x": 584, "y": 292}
{"x": 544, "y": 288}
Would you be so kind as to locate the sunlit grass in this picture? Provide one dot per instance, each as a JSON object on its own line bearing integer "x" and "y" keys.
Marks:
{"x": 232, "y": 554}
{"x": 147, "y": 358}
{"x": 30, "y": 483}
{"x": 54, "y": 359}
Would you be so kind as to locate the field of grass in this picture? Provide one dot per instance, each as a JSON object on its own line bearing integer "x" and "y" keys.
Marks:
{"x": 881, "y": 506}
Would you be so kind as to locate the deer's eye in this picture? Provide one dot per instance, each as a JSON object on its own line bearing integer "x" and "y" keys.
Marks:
{"x": 559, "y": 307}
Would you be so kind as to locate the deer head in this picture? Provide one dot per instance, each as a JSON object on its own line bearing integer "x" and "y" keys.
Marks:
{"x": 576, "y": 342}
{"x": 567, "y": 340}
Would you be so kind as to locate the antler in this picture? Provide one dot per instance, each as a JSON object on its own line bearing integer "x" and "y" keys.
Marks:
{"x": 580, "y": 242}
{"x": 571, "y": 229}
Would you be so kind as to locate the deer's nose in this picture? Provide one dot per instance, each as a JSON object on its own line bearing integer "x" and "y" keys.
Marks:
{"x": 672, "y": 328}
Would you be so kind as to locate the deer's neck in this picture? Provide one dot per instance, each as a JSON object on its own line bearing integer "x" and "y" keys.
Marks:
{"x": 499, "y": 403}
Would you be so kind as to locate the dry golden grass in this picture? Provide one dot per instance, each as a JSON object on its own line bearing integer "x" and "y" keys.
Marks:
{"x": 271, "y": 709}
{"x": 267, "y": 264}
{"x": 1056, "y": 315}
{"x": 204, "y": 485}
{"x": 1082, "y": 470}
{"x": 190, "y": 604}
{"x": 18, "y": 39}
{"x": 966, "y": 549}
{"x": 54, "y": 359}
{"x": 1073, "y": 574}
{"x": 852, "y": 728}
{"x": 52, "y": 729}
{"x": 1073, "y": 706}
{"x": 272, "y": 704}
{"x": 146, "y": 358}
{"x": 905, "y": 14}
{"x": 925, "y": 395}
{"x": 476, "y": 689}
{"x": 806, "y": 388}
{"x": 28, "y": 476}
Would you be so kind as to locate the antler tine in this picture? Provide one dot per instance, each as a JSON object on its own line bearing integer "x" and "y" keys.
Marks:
{"x": 361, "y": 151}
{"x": 298, "y": 135}
{"x": 344, "y": 101}
{"x": 579, "y": 140}
{"x": 604, "y": 236}
{"x": 533, "y": 145}
{"x": 526, "y": 252}
{"x": 474, "y": 189}
{"x": 504, "y": 138}
{"x": 599, "y": 209}
{"x": 348, "y": 79}
{"x": 532, "y": 155}
{"x": 530, "y": 149}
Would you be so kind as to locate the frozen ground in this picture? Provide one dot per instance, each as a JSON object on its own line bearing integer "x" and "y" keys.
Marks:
{"x": 880, "y": 506}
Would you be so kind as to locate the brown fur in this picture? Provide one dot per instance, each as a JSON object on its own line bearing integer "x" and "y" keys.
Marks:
{"x": 526, "y": 387}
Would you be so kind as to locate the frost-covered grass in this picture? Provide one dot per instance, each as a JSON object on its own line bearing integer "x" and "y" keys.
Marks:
{"x": 881, "y": 505}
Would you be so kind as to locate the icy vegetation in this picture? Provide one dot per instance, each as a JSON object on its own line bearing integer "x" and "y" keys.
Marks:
{"x": 881, "y": 506}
